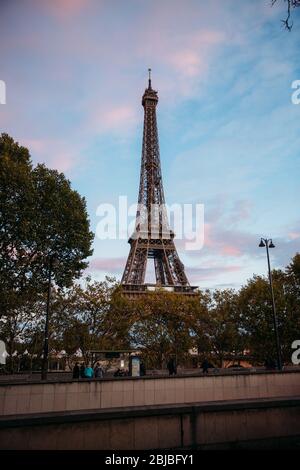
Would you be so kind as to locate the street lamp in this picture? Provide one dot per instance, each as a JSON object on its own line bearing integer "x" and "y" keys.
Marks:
{"x": 51, "y": 260}
{"x": 268, "y": 243}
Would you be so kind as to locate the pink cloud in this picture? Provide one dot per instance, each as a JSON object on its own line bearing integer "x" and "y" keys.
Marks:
{"x": 63, "y": 161}
{"x": 198, "y": 274}
{"x": 33, "y": 145}
{"x": 241, "y": 210}
{"x": 111, "y": 265}
{"x": 294, "y": 235}
{"x": 118, "y": 118}
{"x": 192, "y": 58}
{"x": 188, "y": 62}
{"x": 209, "y": 37}
{"x": 230, "y": 250}
{"x": 62, "y": 9}
{"x": 234, "y": 242}
{"x": 208, "y": 240}
{"x": 222, "y": 235}
{"x": 56, "y": 154}
{"x": 119, "y": 115}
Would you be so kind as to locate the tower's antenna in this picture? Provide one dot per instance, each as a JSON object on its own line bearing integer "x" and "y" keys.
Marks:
{"x": 149, "y": 71}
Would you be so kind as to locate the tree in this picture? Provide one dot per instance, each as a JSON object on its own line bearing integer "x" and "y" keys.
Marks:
{"x": 293, "y": 270}
{"x": 90, "y": 316}
{"x": 217, "y": 327}
{"x": 76, "y": 336}
{"x": 226, "y": 334}
{"x": 291, "y": 4}
{"x": 20, "y": 330}
{"x": 41, "y": 216}
{"x": 162, "y": 325}
{"x": 257, "y": 316}
{"x": 291, "y": 323}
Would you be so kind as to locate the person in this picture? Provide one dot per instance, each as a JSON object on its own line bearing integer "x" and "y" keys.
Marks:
{"x": 205, "y": 366}
{"x": 142, "y": 369}
{"x": 88, "y": 372}
{"x": 172, "y": 366}
{"x": 76, "y": 371}
{"x": 82, "y": 369}
{"x": 270, "y": 363}
{"x": 98, "y": 371}
{"x": 118, "y": 373}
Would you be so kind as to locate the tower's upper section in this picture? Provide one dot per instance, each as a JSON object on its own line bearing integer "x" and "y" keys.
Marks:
{"x": 150, "y": 97}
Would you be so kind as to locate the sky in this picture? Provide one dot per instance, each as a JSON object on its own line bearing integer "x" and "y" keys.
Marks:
{"x": 75, "y": 72}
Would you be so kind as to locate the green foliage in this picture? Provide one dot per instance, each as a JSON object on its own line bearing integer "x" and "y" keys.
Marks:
{"x": 217, "y": 327}
{"x": 293, "y": 270}
{"x": 256, "y": 310}
{"x": 40, "y": 216}
{"x": 96, "y": 312}
{"x": 161, "y": 326}
{"x": 255, "y": 305}
{"x": 91, "y": 316}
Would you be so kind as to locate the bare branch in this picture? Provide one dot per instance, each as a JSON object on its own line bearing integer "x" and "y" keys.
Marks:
{"x": 288, "y": 24}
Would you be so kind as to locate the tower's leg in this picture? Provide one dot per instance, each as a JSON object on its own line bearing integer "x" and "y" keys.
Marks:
{"x": 177, "y": 268}
{"x": 167, "y": 269}
{"x": 159, "y": 268}
{"x": 135, "y": 269}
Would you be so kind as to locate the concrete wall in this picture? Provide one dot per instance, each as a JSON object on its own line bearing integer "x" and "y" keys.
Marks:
{"x": 124, "y": 392}
{"x": 156, "y": 428}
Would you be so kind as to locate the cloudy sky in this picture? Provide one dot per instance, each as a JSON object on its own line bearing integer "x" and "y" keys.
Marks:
{"x": 75, "y": 71}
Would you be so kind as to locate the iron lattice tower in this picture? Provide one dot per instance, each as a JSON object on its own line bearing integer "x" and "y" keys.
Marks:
{"x": 152, "y": 237}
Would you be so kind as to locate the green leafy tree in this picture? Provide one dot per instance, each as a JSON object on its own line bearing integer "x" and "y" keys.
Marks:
{"x": 90, "y": 316}
{"x": 291, "y": 320}
{"x": 228, "y": 338}
{"x": 257, "y": 315}
{"x": 162, "y": 326}
{"x": 41, "y": 216}
{"x": 17, "y": 329}
{"x": 76, "y": 336}
{"x": 218, "y": 331}
{"x": 293, "y": 270}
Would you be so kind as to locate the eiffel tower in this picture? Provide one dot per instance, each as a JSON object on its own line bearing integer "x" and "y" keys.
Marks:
{"x": 152, "y": 237}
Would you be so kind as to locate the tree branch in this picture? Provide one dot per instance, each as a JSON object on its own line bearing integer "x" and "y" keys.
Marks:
{"x": 288, "y": 24}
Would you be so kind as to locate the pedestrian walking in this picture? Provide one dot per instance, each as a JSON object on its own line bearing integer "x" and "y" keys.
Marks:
{"x": 172, "y": 366}
{"x": 205, "y": 366}
{"x": 98, "y": 371}
{"x": 142, "y": 369}
{"x": 76, "y": 371}
{"x": 88, "y": 372}
{"x": 82, "y": 369}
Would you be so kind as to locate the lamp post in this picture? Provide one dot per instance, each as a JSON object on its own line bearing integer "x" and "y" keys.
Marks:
{"x": 268, "y": 243}
{"x": 46, "y": 334}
